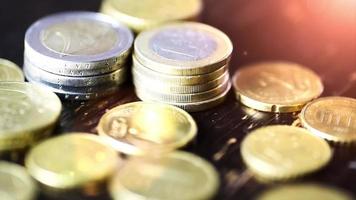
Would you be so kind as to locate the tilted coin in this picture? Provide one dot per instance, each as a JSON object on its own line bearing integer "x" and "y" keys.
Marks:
{"x": 332, "y": 118}
{"x": 16, "y": 183}
{"x": 177, "y": 175}
{"x": 144, "y": 14}
{"x": 152, "y": 127}
{"x": 75, "y": 43}
{"x": 304, "y": 191}
{"x": 28, "y": 113}
{"x": 281, "y": 152}
{"x": 9, "y": 71}
{"x": 183, "y": 49}
{"x": 72, "y": 160}
{"x": 276, "y": 86}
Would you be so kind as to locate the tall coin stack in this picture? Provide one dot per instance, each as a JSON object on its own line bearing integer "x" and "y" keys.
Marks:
{"x": 79, "y": 55}
{"x": 182, "y": 64}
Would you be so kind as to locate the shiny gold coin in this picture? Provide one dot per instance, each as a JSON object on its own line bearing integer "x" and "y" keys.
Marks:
{"x": 144, "y": 14}
{"x": 188, "y": 48}
{"x": 304, "y": 192}
{"x": 276, "y": 86}
{"x": 72, "y": 161}
{"x": 151, "y": 127}
{"x": 282, "y": 152}
{"x": 16, "y": 183}
{"x": 175, "y": 176}
{"x": 9, "y": 71}
{"x": 332, "y": 118}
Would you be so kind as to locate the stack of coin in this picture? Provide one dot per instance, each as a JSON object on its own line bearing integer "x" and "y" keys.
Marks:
{"x": 140, "y": 15}
{"x": 182, "y": 64}
{"x": 79, "y": 55}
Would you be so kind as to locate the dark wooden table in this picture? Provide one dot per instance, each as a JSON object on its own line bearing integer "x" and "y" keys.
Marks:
{"x": 320, "y": 34}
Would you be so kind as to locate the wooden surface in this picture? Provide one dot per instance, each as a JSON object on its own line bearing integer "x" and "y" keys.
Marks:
{"x": 320, "y": 34}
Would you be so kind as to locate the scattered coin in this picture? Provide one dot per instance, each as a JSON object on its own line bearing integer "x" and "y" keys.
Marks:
{"x": 9, "y": 71}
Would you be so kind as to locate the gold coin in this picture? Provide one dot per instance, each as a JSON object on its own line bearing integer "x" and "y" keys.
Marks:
{"x": 276, "y": 86}
{"x": 71, "y": 161}
{"x": 188, "y": 48}
{"x": 145, "y": 14}
{"x": 16, "y": 183}
{"x": 282, "y": 152}
{"x": 178, "y": 175}
{"x": 151, "y": 127}
{"x": 304, "y": 192}
{"x": 332, "y": 118}
{"x": 9, "y": 71}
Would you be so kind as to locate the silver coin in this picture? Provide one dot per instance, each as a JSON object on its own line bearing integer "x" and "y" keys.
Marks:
{"x": 77, "y": 41}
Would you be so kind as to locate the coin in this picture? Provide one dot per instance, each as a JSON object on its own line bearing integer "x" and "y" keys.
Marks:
{"x": 145, "y": 14}
{"x": 332, "y": 118}
{"x": 281, "y": 152}
{"x": 16, "y": 183}
{"x": 304, "y": 191}
{"x": 78, "y": 43}
{"x": 152, "y": 127}
{"x": 177, "y": 175}
{"x": 276, "y": 86}
{"x": 70, "y": 161}
{"x": 9, "y": 71}
{"x": 28, "y": 113}
{"x": 183, "y": 49}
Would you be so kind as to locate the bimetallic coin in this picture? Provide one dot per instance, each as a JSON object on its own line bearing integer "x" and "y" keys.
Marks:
{"x": 145, "y": 14}
{"x": 304, "y": 191}
{"x": 183, "y": 49}
{"x": 28, "y": 113}
{"x": 332, "y": 118}
{"x": 9, "y": 71}
{"x": 72, "y": 161}
{"x": 151, "y": 127}
{"x": 16, "y": 183}
{"x": 77, "y": 41}
{"x": 281, "y": 152}
{"x": 276, "y": 86}
{"x": 174, "y": 176}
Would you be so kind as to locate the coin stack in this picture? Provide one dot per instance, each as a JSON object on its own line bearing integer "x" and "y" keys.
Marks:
{"x": 182, "y": 64}
{"x": 79, "y": 55}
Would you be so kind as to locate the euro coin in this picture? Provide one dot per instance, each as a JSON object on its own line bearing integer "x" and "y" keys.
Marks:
{"x": 174, "y": 176}
{"x": 276, "y": 86}
{"x": 151, "y": 127}
{"x": 331, "y": 118}
{"x": 9, "y": 71}
{"x": 281, "y": 152}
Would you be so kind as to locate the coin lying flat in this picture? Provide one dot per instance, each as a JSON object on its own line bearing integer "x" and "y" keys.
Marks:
{"x": 70, "y": 161}
{"x": 332, "y": 118}
{"x": 177, "y": 175}
{"x": 183, "y": 49}
{"x": 151, "y": 127}
{"x": 9, "y": 71}
{"x": 304, "y": 192}
{"x": 276, "y": 86}
{"x": 16, "y": 183}
{"x": 28, "y": 113}
{"x": 282, "y": 152}
{"x": 144, "y": 14}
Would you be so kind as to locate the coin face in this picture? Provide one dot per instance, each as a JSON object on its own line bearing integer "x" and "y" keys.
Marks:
{"x": 281, "y": 152}
{"x": 9, "y": 71}
{"x": 149, "y": 126}
{"x": 87, "y": 160}
{"x": 173, "y": 176}
{"x": 332, "y": 118}
{"x": 276, "y": 86}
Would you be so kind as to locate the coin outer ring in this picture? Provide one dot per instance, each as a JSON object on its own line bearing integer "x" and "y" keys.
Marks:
{"x": 189, "y": 136}
{"x": 319, "y": 133}
{"x": 14, "y": 68}
{"x": 118, "y": 190}
{"x": 152, "y": 60}
{"x": 56, "y": 61}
